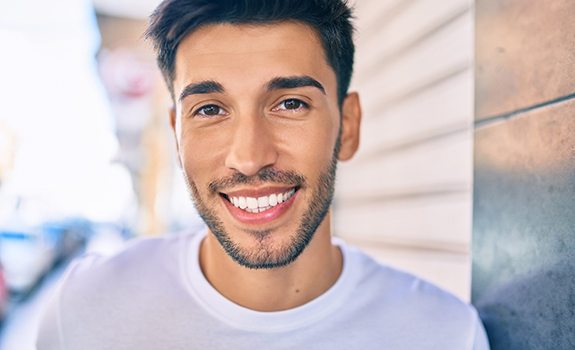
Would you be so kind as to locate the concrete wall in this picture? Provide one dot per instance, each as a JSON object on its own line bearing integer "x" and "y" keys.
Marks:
{"x": 524, "y": 173}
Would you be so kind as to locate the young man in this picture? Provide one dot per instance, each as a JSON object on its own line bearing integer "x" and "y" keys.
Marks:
{"x": 261, "y": 116}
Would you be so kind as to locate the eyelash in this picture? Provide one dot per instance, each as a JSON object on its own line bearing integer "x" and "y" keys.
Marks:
{"x": 303, "y": 105}
{"x": 199, "y": 110}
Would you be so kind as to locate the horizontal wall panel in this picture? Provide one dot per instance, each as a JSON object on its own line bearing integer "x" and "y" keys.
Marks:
{"x": 426, "y": 62}
{"x": 418, "y": 21}
{"x": 405, "y": 198}
{"x": 447, "y": 161}
{"x": 448, "y": 271}
{"x": 434, "y": 222}
{"x": 371, "y": 15}
{"x": 525, "y": 54}
{"x": 423, "y": 116}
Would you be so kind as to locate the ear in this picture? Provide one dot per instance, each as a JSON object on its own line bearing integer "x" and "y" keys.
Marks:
{"x": 173, "y": 125}
{"x": 350, "y": 123}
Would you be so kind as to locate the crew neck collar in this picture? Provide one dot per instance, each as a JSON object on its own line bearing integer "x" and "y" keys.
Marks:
{"x": 277, "y": 321}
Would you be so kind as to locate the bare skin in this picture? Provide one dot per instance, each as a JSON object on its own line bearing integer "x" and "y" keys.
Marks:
{"x": 246, "y": 126}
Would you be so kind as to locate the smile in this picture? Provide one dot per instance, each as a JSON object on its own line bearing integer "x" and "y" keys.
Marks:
{"x": 259, "y": 206}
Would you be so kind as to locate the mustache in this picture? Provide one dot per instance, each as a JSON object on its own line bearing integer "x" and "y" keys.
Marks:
{"x": 266, "y": 175}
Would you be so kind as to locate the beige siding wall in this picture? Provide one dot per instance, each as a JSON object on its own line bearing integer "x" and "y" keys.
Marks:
{"x": 406, "y": 197}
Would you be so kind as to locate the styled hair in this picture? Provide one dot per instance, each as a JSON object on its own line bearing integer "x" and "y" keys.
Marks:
{"x": 331, "y": 19}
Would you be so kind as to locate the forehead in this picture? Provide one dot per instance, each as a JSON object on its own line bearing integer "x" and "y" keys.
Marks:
{"x": 244, "y": 53}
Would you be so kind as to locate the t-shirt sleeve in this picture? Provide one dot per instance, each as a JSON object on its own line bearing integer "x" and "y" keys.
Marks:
{"x": 480, "y": 341}
{"x": 49, "y": 336}
{"x": 50, "y": 332}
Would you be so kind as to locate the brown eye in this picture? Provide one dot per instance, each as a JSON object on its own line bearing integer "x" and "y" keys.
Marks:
{"x": 209, "y": 111}
{"x": 292, "y": 104}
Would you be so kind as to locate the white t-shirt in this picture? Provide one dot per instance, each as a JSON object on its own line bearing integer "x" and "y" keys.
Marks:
{"x": 154, "y": 295}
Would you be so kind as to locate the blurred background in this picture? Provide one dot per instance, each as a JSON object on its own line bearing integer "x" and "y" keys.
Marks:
{"x": 87, "y": 160}
{"x": 467, "y": 127}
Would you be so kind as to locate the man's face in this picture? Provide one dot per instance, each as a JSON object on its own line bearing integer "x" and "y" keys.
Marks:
{"x": 257, "y": 125}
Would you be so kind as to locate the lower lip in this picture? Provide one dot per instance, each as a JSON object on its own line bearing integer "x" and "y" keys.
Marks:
{"x": 263, "y": 217}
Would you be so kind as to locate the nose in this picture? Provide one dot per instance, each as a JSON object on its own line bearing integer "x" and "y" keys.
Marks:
{"x": 252, "y": 147}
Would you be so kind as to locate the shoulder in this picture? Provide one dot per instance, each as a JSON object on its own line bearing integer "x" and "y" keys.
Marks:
{"x": 138, "y": 262}
{"x": 411, "y": 299}
{"x": 126, "y": 285}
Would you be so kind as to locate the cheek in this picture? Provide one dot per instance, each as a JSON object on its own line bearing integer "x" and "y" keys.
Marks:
{"x": 309, "y": 148}
{"x": 199, "y": 155}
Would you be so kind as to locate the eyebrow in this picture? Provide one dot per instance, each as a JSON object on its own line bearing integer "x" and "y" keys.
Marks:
{"x": 202, "y": 87}
{"x": 294, "y": 82}
{"x": 211, "y": 86}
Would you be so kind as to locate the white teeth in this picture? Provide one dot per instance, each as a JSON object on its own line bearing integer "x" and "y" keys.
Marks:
{"x": 242, "y": 203}
{"x": 263, "y": 201}
{"x": 260, "y": 204}
{"x": 252, "y": 202}
{"x": 273, "y": 199}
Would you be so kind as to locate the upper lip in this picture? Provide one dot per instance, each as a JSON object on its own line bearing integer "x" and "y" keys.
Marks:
{"x": 258, "y": 192}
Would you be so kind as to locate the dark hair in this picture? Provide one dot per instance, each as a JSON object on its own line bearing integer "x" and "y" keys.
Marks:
{"x": 331, "y": 19}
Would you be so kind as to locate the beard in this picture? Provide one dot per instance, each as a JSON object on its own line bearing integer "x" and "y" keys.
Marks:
{"x": 266, "y": 254}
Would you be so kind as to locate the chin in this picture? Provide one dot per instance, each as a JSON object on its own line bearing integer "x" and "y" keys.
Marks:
{"x": 263, "y": 249}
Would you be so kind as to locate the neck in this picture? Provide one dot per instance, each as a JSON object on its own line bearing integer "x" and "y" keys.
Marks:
{"x": 310, "y": 275}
